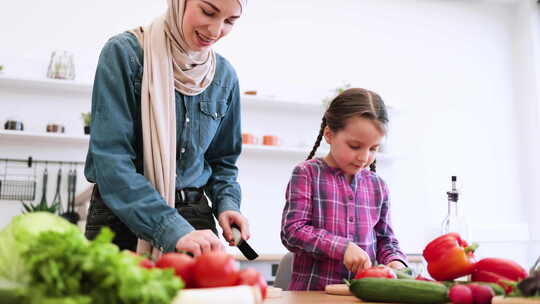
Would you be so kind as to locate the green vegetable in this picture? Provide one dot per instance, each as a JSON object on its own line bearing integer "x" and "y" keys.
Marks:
{"x": 41, "y": 206}
{"x": 87, "y": 118}
{"x": 64, "y": 265}
{"x": 46, "y": 260}
{"x": 399, "y": 291}
{"x": 11, "y": 293}
{"x": 19, "y": 235}
{"x": 404, "y": 273}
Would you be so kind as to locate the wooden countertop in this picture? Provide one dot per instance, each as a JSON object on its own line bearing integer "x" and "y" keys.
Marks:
{"x": 310, "y": 297}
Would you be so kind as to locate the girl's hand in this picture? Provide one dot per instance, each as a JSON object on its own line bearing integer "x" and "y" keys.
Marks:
{"x": 227, "y": 218}
{"x": 396, "y": 265}
{"x": 355, "y": 258}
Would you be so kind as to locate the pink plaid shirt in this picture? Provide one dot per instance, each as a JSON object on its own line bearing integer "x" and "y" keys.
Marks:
{"x": 323, "y": 213}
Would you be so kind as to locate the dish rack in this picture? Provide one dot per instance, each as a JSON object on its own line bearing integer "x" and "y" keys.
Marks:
{"x": 17, "y": 181}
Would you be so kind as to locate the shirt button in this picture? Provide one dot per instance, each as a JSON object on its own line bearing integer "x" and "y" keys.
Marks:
{"x": 350, "y": 237}
{"x": 183, "y": 150}
{"x": 187, "y": 120}
{"x": 351, "y": 219}
{"x": 350, "y": 197}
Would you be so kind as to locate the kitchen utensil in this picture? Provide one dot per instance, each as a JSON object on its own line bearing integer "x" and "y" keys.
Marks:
{"x": 14, "y": 125}
{"x": 17, "y": 182}
{"x": 55, "y": 128}
{"x": 270, "y": 140}
{"x": 71, "y": 215}
{"x": 242, "y": 245}
{"x": 43, "y": 201}
{"x": 248, "y": 138}
{"x": 338, "y": 290}
{"x": 57, "y": 200}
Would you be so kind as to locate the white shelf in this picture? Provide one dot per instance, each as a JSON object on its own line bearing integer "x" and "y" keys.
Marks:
{"x": 276, "y": 150}
{"x": 42, "y": 84}
{"x": 25, "y": 137}
{"x": 45, "y": 85}
{"x": 253, "y": 101}
{"x": 62, "y": 138}
{"x": 381, "y": 157}
{"x": 9, "y": 136}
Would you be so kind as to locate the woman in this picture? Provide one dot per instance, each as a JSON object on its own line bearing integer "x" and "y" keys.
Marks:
{"x": 166, "y": 133}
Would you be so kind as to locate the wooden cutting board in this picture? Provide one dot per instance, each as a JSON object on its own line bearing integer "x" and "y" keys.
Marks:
{"x": 502, "y": 300}
{"x": 338, "y": 290}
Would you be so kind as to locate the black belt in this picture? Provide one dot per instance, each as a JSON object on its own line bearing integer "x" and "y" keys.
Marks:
{"x": 188, "y": 196}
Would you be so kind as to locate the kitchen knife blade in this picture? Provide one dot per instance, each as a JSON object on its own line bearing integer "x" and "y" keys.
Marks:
{"x": 242, "y": 245}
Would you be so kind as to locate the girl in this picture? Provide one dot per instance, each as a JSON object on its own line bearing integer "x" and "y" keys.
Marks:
{"x": 336, "y": 219}
{"x": 166, "y": 133}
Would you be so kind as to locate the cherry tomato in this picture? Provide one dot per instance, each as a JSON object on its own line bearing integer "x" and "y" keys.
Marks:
{"x": 146, "y": 263}
{"x": 215, "y": 269}
{"x": 380, "y": 271}
{"x": 181, "y": 263}
{"x": 252, "y": 277}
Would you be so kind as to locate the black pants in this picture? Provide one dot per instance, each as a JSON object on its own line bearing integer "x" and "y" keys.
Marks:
{"x": 190, "y": 203}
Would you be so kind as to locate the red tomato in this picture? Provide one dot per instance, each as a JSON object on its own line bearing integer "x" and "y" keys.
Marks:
{"x": 146, "y": 263}
{"x": 252, "y": 277}
{"x": 376, "y": 272}
{"x": 181, "y": 263}
{"x": 215, "y": 269}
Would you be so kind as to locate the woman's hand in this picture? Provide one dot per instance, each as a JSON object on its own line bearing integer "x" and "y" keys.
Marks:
{"x": 355, "y": 258}
{"x": 396, "y": 265}
{"x": 227, "y": 218}
{"x": 199, "y": 241}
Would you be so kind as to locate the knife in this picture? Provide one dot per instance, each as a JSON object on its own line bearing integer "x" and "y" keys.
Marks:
{"x": 244, "y": 247}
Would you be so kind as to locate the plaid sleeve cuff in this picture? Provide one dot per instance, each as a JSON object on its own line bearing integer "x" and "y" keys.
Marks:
{"x": 395, "y": 257}
{"x": 338, "y": 247}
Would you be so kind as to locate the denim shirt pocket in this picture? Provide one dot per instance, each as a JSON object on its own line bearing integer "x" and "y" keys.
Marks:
{"x": 211, "y": 114}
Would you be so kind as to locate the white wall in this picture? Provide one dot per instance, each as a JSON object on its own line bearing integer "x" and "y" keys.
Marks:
{"x": 452, "y": 69}
{"x": 527, "y": 96}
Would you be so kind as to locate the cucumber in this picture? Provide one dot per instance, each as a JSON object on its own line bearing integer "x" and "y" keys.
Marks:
{"x": 399, "y": 291}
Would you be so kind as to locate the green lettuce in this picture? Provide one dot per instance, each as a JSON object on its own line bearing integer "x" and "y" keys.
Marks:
{"x": 63, "y": 266}
{"x": 17, "y": 237}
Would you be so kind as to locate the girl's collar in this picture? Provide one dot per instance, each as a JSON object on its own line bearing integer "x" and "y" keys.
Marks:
{"x": 336, "y": 170}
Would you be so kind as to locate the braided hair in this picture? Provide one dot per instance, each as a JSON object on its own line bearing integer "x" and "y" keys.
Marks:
{"x": 350, "y": 103}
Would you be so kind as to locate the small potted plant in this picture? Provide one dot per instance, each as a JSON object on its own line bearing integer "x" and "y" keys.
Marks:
{"x": 326, "y": 101}
{"x": 87, "y": 119}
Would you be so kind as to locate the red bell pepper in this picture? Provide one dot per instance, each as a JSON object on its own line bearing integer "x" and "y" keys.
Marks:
{"x": 499, "y": 271}
{"x": 449, "y": 257}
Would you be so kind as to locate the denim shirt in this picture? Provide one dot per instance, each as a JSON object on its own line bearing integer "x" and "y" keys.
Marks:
{"x": 208, "y": 140}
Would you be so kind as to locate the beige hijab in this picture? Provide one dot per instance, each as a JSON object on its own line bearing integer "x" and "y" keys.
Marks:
{"x": 168, "y": 65}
